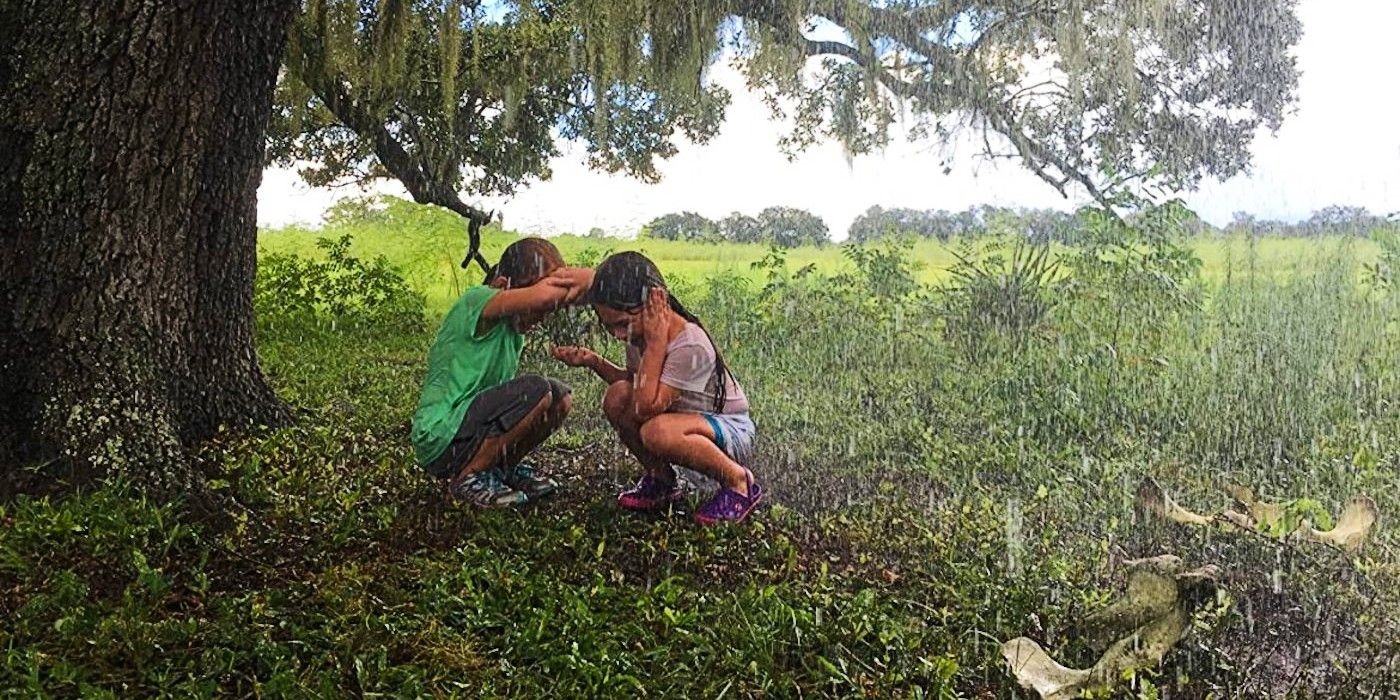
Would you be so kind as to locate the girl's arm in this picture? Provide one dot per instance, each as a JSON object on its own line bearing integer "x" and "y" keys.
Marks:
{"x": 583, "y": 357}
{"x": 650, "y": 397}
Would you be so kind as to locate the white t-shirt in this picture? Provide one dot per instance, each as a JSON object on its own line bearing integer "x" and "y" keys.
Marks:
{"x": 690, "y": 369}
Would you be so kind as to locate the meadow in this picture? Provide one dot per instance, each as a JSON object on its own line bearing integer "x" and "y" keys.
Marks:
{"x": 427, "y": 245}
{"x": 953, "y": 447}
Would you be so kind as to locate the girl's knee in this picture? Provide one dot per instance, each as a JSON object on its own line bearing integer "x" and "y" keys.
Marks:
{"x": 655, "y": 436}
{"x": 617, "y": 401}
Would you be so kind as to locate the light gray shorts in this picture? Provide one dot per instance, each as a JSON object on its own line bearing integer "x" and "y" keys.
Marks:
{"x": 734, "y": 434}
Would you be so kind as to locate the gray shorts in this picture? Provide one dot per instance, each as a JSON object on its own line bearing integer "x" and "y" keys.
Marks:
{"x": 734, "y": 434}
{"x": 492, "y": 413}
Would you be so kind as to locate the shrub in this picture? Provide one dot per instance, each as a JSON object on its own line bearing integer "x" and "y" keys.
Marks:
{"x": 341, "y": 289}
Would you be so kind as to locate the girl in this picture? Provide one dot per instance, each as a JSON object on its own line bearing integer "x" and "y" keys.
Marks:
{"x": 476, "y": 419}
{"x": 675, "y": 401}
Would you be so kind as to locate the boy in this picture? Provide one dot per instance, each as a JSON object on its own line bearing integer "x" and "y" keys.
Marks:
{"x": 476, "y": 419}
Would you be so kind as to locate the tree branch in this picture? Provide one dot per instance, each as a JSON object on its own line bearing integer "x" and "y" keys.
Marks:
{"x": 903, "y": 28}
{"x": 418, "y": 179}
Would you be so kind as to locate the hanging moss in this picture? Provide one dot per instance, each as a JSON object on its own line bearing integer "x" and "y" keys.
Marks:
{"x": 1150, "y": 75}
{"x": 665, "y": 45}
{"x": 450, "y": 52}
{"x": 389, "y": 55}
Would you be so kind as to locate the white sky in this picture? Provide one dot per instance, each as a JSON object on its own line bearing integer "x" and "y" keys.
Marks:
{"x": 1341, "y": 147}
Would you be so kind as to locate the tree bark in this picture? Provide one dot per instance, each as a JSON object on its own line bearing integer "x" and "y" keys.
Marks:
{"x": 131, "y": 139}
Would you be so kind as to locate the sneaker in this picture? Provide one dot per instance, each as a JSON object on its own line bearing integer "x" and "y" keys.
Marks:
{"x": 650, "y": 493}
{"x": 523, "y": 478}
{"x": 486, "y": 489}
{"x": 729, "y": 505}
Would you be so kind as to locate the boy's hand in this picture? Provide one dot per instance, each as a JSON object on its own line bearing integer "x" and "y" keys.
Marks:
{"x": 560, "y": 290}
{"x": 576, "y": 280}
{"x": 654, "y": 318}
{"x": 574, "y": 356}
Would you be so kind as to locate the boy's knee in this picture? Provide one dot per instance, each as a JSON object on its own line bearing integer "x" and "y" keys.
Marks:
{"x": 559, "y": 399}
{"x": 533, "y": 388}
{"x": 562, "y": 405}
{"x": 558, "y": 390}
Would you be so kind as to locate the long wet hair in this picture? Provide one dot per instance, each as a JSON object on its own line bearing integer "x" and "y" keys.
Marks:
{"x": 525, "y": 262}
{"x": 624, "y": 282}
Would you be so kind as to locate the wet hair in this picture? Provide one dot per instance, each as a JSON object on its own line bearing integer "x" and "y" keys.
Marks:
{"x": 624, "y": 281}
{"x": 525, "y": 262}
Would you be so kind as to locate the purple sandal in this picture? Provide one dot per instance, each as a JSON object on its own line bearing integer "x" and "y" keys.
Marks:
{"x": 729, "y": 505}
{"x": 650, "y": 493}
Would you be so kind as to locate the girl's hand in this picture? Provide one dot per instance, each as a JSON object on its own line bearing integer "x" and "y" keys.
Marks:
{"x": 654, "y": 317}
{"x": 574, "y": 356}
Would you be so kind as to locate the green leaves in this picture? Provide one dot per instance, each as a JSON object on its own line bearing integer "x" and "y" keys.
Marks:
{"x": 342, "y": 288}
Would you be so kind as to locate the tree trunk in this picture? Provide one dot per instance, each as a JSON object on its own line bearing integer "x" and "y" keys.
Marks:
{"x": 131, "y": 141}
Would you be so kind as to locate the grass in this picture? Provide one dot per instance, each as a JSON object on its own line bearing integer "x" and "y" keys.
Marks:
{"x": 940, "y": 485}
{"x": 428, "y": 244}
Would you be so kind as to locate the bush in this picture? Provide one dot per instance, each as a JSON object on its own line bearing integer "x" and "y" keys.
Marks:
{"x": 997, "y": 296}
{"x": 340, "y": 290}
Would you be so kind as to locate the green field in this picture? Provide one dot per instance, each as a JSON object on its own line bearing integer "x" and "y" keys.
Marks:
{"x": 950, "y": 468}
{"x": 428, "y": 244}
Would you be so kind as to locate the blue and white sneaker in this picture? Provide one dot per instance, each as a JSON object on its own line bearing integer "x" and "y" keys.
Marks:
{"x": 523, "y": 478}
{"x": 486, "y": 489}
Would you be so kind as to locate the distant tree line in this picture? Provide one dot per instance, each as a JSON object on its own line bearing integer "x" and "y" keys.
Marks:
{"x": 785, "y": 227}
{"x": 1039, "y": 225}
{"x": 788, "y": 227}
{"x": 1043, "y": 225}
{"x": 1327, "y": 221}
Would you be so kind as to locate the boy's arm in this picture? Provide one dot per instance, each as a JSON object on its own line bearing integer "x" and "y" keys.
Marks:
{"x": 545, "y": 295}
{"x": 562, "y": 287}
{"x": 579, "y": 278}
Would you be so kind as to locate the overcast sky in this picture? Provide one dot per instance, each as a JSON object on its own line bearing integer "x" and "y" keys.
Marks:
{"x": 1340, "y": 147}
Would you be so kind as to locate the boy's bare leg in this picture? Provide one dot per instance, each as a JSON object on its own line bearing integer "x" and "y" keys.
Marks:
{"x": 520, "y": 440}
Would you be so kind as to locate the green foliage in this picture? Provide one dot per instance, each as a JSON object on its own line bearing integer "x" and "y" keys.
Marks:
{"x": 887, "y": 273}
{"x": 788, "y": 227}
{"x": 1294, "y": 512}
{"x": 784, "y": 227}
{"x": 1139, "y": 266}
{"x": 926, "y": 503}
{"x": 996, "y": 297}
{"x": 1035, "y": 225}
{"x": 685, "y": 226}
{"x": 340, "y": 289}
{"x": 740, "y": 228}
{"x": 1381, "y": 274}
{"x": 1331, "y": 220}
{"x": 450, "y": 98}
